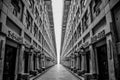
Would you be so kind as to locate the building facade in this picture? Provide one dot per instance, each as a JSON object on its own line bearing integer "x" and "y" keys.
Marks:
{"x": 26, "y": 40}
{"x": 91, "y": 46}
{"x": 64, "y": 22}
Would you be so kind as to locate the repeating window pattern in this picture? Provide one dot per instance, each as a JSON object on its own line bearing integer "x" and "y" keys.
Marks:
{"x": 18, "y": 8}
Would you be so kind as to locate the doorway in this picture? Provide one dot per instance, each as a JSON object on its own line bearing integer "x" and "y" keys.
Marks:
{"x": 102, "y": 62}
{"x": 88, "y": 61}
{"x": 26, "y": 61}
{"x": 9, "y": 63}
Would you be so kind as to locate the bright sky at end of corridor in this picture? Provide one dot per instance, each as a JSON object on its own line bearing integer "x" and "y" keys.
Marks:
{"x": 57, "y": 14}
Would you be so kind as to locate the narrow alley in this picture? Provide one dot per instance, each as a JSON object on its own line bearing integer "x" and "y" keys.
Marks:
{"x": 57, "y": 72}
{"x": 59, "y": 39}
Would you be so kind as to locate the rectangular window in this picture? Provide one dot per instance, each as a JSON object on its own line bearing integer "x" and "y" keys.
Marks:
{"x": 40, "y": 22}
{"x": 35, "y": 30}
{"x": 31, "y": 5}
{"x": 39, "y": 36}
{"x": 13, "y": 26}
{"x": 99, "y": 25}
{"x": 18, "y": 9}
{"x": 91, "y": 11}
{"x": 34, "y": 43}
{"x": 98, "y": 2}
{"x": 85, "y": 22}
{"x": 79, "y": 30}
{"x": 36, "y": 13}
{"x": 27, "y": 37}
{"x": 29, "y": 21}
{"x": 95, "y": 8}
{"x": 40, "y": 8}
{"x": 82, "y": 5}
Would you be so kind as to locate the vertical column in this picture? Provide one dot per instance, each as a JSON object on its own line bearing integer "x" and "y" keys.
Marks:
{"x": 83, "y": 54}
{"x": 30, "y": 60}
{"x": 74, "y": 61}
{"x": 38, "y": 64}
{"x": 21, "y": 61}
{"x": 70, "y": 61}
{"x": 78, "y": 61}
{"x": 111, "y": 48}
{"x": 2, "y": 42}
{"x": 36, "y": 60}
{"x": 40, "y": 61}
{"x": 84, "y": 62}
{"x": 2, "y": 53}
{"x": 110, "y": 58}
{"x": 43, "y": 61}
{"x": 93, "y": 66}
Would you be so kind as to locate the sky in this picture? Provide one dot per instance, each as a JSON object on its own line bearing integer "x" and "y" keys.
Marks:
{"x": 57, "y": 16}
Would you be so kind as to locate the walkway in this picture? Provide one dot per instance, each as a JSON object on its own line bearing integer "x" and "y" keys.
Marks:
{"x": 58, "y": 72}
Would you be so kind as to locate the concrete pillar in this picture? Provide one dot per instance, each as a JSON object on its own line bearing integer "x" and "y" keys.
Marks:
{"x": 43, "y": 61}
{"x": 69, "y": 62}
{"x": 31, "y": 61}
{"x": 84, "y": 67}
{"x": 21, "y": 61}
{"x": 2, "y": 53}
{"x": 38, "y": 64}
{"x": 93, "y": 65}
{"x": 111, "y": 50}
{"x": 77, "y": 61}
{"x": 40, "y": 61}
{"x": 110, "y": 58}
{"x": 36, "y": 61}
{"x": 72, "y": 61}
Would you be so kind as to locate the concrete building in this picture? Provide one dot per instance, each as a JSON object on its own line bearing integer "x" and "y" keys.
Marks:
{"x": 91, "y": 46}
{"x": 27, "y": 41}
{"x": 64, "y": 22}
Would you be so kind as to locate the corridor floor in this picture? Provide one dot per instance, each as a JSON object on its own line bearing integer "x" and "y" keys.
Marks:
{"x": 58, "y": 72}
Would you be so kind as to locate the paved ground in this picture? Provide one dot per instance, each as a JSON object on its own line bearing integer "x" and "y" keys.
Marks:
{"x": 58, "y": 72}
